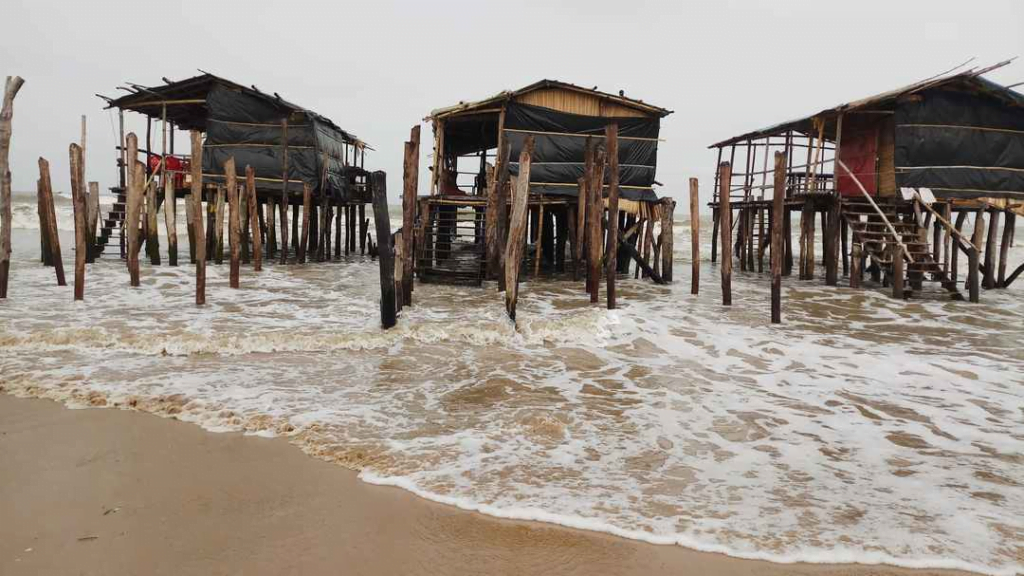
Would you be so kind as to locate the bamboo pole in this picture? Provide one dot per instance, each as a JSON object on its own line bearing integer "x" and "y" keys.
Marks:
{"x": 78, "y": 202}
{"x": 385, "y": 256}
{"x": 611, "y": 140}
{"x": 11, "y": 88}
{"x": 725, "y": 225}
{"x": 778, "y": 210}
{"x": 410, "y": 181}
{"x": 694, "y": 238}
{"x": 307, "y": 206}
{"x": 234, "y": 217}
{"x": 136, "y": 181}
{"x": 53, "y": 238}
{"x": 254, "y": 220}
{"x": 197, "y": 216}
{"x": 517, "y": 230}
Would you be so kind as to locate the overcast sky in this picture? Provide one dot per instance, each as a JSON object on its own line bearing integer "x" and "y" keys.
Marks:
{"x": 377, "y": 68}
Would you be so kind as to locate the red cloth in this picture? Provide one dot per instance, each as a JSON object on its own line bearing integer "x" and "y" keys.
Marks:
{"x": 177, "y": 166}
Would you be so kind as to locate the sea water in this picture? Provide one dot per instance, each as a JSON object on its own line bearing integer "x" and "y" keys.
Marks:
{"x": 862, "y": 429}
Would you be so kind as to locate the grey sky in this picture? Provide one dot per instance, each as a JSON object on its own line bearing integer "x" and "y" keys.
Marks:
{"x": 377, "y": 68}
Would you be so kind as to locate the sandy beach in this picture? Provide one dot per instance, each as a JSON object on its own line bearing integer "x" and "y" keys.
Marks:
{"x": 103, "y": 491}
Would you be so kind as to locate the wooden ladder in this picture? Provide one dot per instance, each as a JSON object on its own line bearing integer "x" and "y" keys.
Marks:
{"x": 113, "y": 222}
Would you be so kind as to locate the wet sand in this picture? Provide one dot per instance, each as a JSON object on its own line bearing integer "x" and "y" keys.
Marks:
{"x": 107, "y": 491}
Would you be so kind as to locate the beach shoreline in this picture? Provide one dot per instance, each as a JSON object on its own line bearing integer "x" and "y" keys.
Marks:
{"x": 102, "y": 491}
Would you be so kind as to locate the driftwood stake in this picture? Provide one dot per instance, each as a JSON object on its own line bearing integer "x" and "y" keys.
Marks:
{"x": 668, "y": 209}
{"x": 517, "y": 230}
{"x": 254, "y": 220}
{"x": 410, "y": 181}
{"x": 136, "y": 182}
{"x": 92, "y": 219}
{"x": 78, "y": 202}
{"x": 725, "y": 225}
{"x": 53, "y": 239}
{"x": 385, "y": 256}
{"x": 611, "y": 139}
{"x": 171, "y": 221}
{"x": 197, "y": 215}
{"x": 694, "y": 237}
{"x": 11, "y": 87}
{"x": 778, "y": 208}
{"x": 234, "y": 216}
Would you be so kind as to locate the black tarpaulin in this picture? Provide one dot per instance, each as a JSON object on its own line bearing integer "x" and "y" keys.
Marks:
{"x": 961, "y": 145}
{"x": 248, "y": 128}
{"x": 560, "y": 144}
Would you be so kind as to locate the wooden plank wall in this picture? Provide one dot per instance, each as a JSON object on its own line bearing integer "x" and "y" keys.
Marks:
{"x": 577, "y": 103}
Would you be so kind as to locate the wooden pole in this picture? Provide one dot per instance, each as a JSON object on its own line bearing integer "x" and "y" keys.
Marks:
{"x": 152, "y": 234}
{"x": 411, "y": 183}
{"x": 399, "y": 244}
{"x": 595, "y": 211}
{"x": 897, "y": 271}
{"x": 296, "y": 232}
{"x": 254, "y": 220}
{"x": 989, "y": 281}
{"x": 307, "y": 206}
{"x": 53, "y": 238}
{"x": 44, "y": 241}
{"x": 539, "y": 240}
{"x": 272, "y": 229}
{"x": 190, "y": 227}
{"x": 517, "y": 230}
{"x": 954, "y": 268}
{"x": 364, "y": 225}
{"x": 78, "y": 201}
{"x": 725, "y": 216}
{"x": 218, "y": 225}
{"x": 243, "y": 223}
{"x": 496, "y": 212}
{"x": 856, "y": 261}
{"x": 385, "y": 256}
{"x": 197, "y": 215}
{"x": 611, "y": 142}
{"x": 171, "y": 220}
{"x": 284, "y": 191}
{"x": 136, "y": 182}
{"x": 234, "y": 217}
{"x": 668, "y": 209}
{"x": 1004, "y": 247}
{"x": 694, "y": 237}
{"x": 832, "y": 243}
{"x": 778, "y": 210}
{"x": 11, "y": 88}
{"x": 974, "y": 256}
{"x": 92, "y": 219}
{"x": 580, "y": 227}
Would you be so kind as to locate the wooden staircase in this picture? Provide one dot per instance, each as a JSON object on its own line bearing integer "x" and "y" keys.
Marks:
{"x": 114, "y": 222}
{"x": 877, "y": 225}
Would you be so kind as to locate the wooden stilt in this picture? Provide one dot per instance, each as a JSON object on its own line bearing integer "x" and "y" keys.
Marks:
{"x": 283, "y": 205}
{"x": 170, "y": 221}
{"x": 667, "y": 241}
{"x": 92, "y": 219}
{"x": 44, "y": 241}
{"x": 778, "y": 210}
{"x": 351, "y": 230}
{"x": 152, "y": 232}
{"x": 272, "y": 228}
{"x": 385, "y": 254}
{"x": 217, "y": 213}
{"x": 296, "y": 232}
{"x": 348, "y": 228}
{"x": 832, "y": 244}
{"x": 243, "y": 223}
{"x": 53, "y": 238}
{"x": 307, "y": 205}
{"x": 954, "y": 268}
{"x": 856, "y": 261}
{"x": 538, "y": 240}
{"x": 136, "y": 182}
{"x": 595, "y": 211}
{"x": 580, "y": 224}
{"x": 78, "y": 200}
{"x": 715, "y": 223}
{"x": 749, "y": 250}
{"x": 254, "y": 220}
{"x": 339, "y": 218}
{"x": 364, "y": 225}
{"x": 190, "y": 227}
{"x": 517, "y": 230}
{"x": 762, "y": 240}
{"x": 898, "y": 275}
{"x": 493, "y": 245}
{"x": 694, "y": 238}
{"x": 197, "y": 215}
{"x": 611, "y": 140}
{"x": 234, "y": 217}
{"x": 725, "y": 217}
{"x": 844, "y": 235}
{"x": 787, "y": 240}
{"x": 410, "y": 181}
{"x": 989, "y": 281}
{"x": 947, "y": 240}
{"x": 973, "y": 257}
{"x": 399, "y": 243}
{"x": 1004, "y": 247}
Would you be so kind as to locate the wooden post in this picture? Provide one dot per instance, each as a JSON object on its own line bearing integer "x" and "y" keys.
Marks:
{"x": 496, "y": 211}
{"x": 234, "y": 231}
{"x": 990, "y": 249}
{"x": 595, "y": 211}
{"x": 611, "y": 142}
{"x": 197, "y": 216}
{"x": 762, "y": 237}
{"x": 296, "y": 232}
{"x": 92, "y": 219}
{"x": 307, "y": 206}
{"x": 668, "y": 209}
{"x": 284, "y": 191}
{"x": 694, "y": 238}
{"x": 218, "y": 224}
{"x": 78, "y": 200}
{"x": 1004, "y": 247}
{"x": 953, "y": 265}
{"x": 11, "y": 88}
{"x": 272, "y": 228}
{"x": 337, "y": 230}
{"x": 898, "y": 275}
{"x": 53, "y": 238}
{"x": 170, "y": 221}
{"x": 254, "y": 220}
{"x": 856, "y": 260}
{"x": 399, "y": 243}
{"x": 539, "y": 240}
{"x": 411, "y": 182}
{"x": 725, "y": 216}
{"x": 190, "y": 226}
{"x": 580, "y": 225}
{"x": 243, "y": 223}
{"x": 831, "y": 232}
{"x": 136, "y": 182}
{"x": 844, "y": 238}
{"x": 44, "y": 241}
{"x": 974, "y": 257}
{"x": 152, "y": 234}
{"x": 778, "y": 210}
{"x": 517, "y": 230}
{"x": 385, "y": 257}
